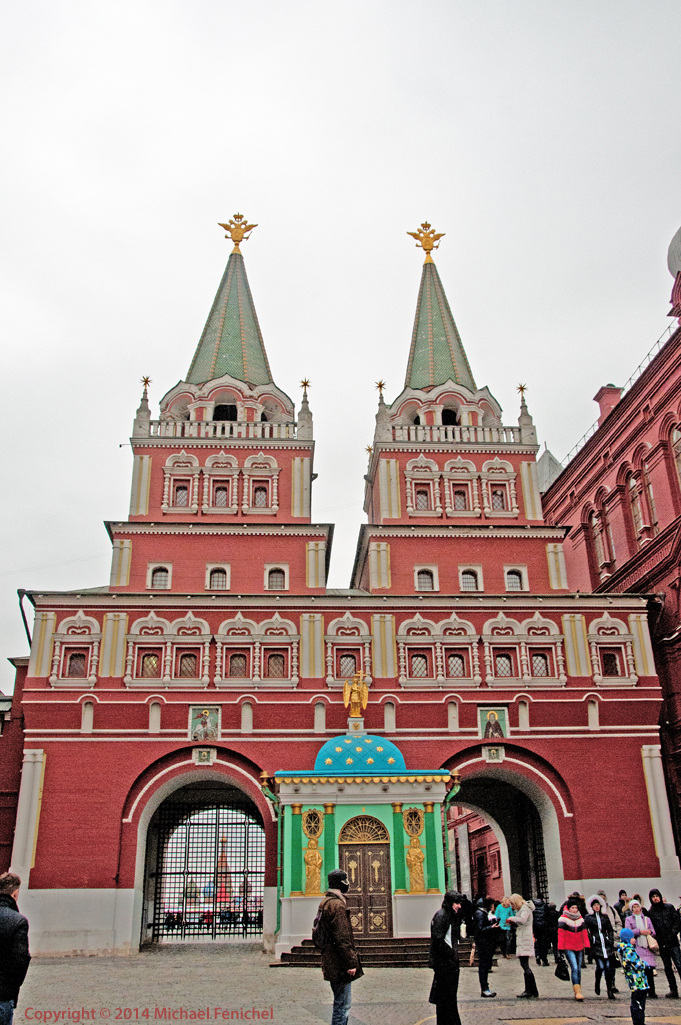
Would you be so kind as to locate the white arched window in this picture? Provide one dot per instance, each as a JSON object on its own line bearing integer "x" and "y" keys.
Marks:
{"x": 238, "y": 665}
{"x": 452, "y": 716}
{"x": 218, "y": 580}
{"x": 389, "y": 717}
{"x": 76, "y": 667}
{"x": 523, "y": 715}
{"x": 276, "y": 580}
{"x": 424, "y": 580}
{"x": 247, "y": 717}
{"x": 160, "y": 578}
{"x": 469, "y": 580}
{"x": 594, "y": 723}
{"x": 319, "y": 717}
{"x": 155, "y": 717}
{"x": 87, "y": 715}
{"x": 514, "y": 580}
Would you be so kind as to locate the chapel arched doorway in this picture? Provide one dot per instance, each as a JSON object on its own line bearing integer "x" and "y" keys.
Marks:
{"x": 364, "y": 853}
{"x": 205, "y": 866}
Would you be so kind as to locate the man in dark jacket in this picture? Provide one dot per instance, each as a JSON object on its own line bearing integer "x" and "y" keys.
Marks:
{"x": 666, "y": 922}
{"x": 540, "y": 927}
{"x": 444, "y": 958}
{"x": 340, "y": 961}
{"x": 620, "y": 904}
{"x": 14, "y": 955}
{"x": 486, "y": 926}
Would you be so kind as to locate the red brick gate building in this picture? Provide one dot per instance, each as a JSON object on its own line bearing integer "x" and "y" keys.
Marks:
{"x": 152, "y": 706}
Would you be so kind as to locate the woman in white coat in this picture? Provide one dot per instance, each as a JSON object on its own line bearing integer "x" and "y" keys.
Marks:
{"x": 523, "y": 912}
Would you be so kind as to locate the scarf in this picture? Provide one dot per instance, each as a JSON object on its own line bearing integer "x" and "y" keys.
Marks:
{"x": 573, "y": 916}
{"x": 641, "y": 941}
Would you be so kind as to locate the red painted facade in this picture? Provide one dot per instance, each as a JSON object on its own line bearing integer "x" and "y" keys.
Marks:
{"x": 450, "y": 494}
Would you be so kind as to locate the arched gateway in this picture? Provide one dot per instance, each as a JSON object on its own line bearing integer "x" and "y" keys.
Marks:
{"x": 205, "y": 866}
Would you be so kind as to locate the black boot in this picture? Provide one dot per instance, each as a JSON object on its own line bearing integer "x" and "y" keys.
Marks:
{"x": 597, "y": 982}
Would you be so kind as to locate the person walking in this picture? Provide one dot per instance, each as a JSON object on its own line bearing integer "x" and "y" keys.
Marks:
{"x": 485, "y": 936}
{"x": 635, "y": 973}
{"x": 523, "y": 913}
{"x": 573, "y": 939}
{"x": 666, "y": 923}
{"x": 539, "y": 925}
{"x": 602, "y": 940}
{"x": 340, "y": 962}
{"x": 552, "y": 915}
{"x": 616, "y": 923}
{"x": 622, "y": 905}
{"x": 502, "y": 912}
{"x": 14, "y": 953}
{"x": 642, "y": 928}
{"x": 444, "y": 958}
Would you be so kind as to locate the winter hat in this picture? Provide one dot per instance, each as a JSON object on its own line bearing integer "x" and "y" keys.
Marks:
{"x": 336, "y": 878}
{"x": 632, "y": 902}
{"x": 626, "y": 935}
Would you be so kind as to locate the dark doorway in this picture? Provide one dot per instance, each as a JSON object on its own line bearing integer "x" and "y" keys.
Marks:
{"x": 205, "y": 867}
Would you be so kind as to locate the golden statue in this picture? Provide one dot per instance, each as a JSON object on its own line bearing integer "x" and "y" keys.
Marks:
{"x": 238, "y": 229}
{"x": 415, "y": 859}
{"x": 313, "y": 868}
{"x": 426, "y": 238}
{"x": 356, "y": 694}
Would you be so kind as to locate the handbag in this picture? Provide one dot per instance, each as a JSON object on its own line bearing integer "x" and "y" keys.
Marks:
{"x": 562, "y": 971}
{"x": 653, "y": 945}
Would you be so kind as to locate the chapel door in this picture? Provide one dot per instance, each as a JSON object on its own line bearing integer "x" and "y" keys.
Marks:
{"x": 367, "y": 863}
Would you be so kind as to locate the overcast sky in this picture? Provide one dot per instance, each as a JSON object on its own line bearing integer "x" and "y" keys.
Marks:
{"x": 542, "y": 136}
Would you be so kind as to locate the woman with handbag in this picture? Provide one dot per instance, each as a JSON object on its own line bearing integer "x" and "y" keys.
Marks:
{"x": 602, "y": 938}
{"x": 646, "y": 944}
{"x": 573, "y": 940}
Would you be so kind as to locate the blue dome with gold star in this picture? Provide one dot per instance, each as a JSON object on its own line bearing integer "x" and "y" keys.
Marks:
{"x": 363, "y": 754}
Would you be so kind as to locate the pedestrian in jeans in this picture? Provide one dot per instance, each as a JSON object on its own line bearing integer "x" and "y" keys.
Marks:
{"x": 502, "y": 912}
{"x": 444, "y": 959}
{"x": 616, "y": 923}
{"x": 485, "y": 934}
{"x": 602, "y": 940}
{"x": 340, "y": 962}
{"x": 523, "y": 912}
{"x": 666, "y": 923}
{"x": 14, "y": 955}
{"x": 573, "y": 940}
{"x": 635, "y": 973}
{"x": 642, "y": 928}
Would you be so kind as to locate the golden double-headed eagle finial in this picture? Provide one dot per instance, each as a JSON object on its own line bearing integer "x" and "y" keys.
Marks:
{"x": 238, "y": 229}
{"x": 426, "y": 237}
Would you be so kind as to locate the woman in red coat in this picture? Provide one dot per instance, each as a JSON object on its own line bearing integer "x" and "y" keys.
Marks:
{"x": 573, "y": 939}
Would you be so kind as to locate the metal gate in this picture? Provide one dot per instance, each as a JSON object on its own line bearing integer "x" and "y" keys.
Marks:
{"x": 210, "y": 873}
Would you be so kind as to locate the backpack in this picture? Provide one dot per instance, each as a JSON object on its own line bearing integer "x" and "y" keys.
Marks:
{"x": 321, "y": 936}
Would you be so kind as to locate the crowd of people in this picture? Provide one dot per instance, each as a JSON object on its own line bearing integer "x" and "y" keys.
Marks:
{"x": 577, "y": 933}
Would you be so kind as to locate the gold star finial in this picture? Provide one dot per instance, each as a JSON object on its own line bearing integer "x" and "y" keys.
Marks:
{"x": 146, "y": 381}
{"x": 238, "y": 229}
{"x": 305, "y": 384}
{"x": 522, "y": 388}
{"x": 380, "y": 385}
{"x": 426, "y": 237}
{"x": 370, "y": 449}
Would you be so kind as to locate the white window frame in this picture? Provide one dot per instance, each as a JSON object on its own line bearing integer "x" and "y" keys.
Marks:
{"x": 276, "y": 565}
{"x": 151, "y": 566}
{"x": 436, "y": 578}
{"x": 524, "y": 579}
{"x": 473, "y": 569}
{"x": 210, "y": 566}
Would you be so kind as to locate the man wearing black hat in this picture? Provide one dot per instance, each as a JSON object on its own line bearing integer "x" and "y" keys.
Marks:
{"x": 444, "y": 958}
{"x": 14, "y": 955}
{"x": 340, "y": 961}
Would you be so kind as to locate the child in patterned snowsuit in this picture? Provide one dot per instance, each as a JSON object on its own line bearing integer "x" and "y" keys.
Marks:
{"x": 634, "y": 969}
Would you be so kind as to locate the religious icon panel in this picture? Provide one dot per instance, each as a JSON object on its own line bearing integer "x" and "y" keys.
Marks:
{"x": 493, "y": 722}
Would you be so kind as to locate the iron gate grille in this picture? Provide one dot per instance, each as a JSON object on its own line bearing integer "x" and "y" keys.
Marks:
{"x": 210, "y": 873}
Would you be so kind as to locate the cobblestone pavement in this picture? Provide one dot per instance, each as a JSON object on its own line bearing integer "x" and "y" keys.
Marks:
{"x": 237, "y": 978}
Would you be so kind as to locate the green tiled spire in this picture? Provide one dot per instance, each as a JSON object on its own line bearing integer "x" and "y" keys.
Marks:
{"x": 437, "y": 354}
{"x": 231, "y": 342}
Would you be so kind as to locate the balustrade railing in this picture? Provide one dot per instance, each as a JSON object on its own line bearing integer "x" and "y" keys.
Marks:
{"x": 220, "y": 429}
{"x": 429, "y": 432}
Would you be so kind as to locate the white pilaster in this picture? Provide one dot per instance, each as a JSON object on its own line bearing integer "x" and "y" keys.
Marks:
{"x": 28, "y": 813}
{"x": 660, "y": 817}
